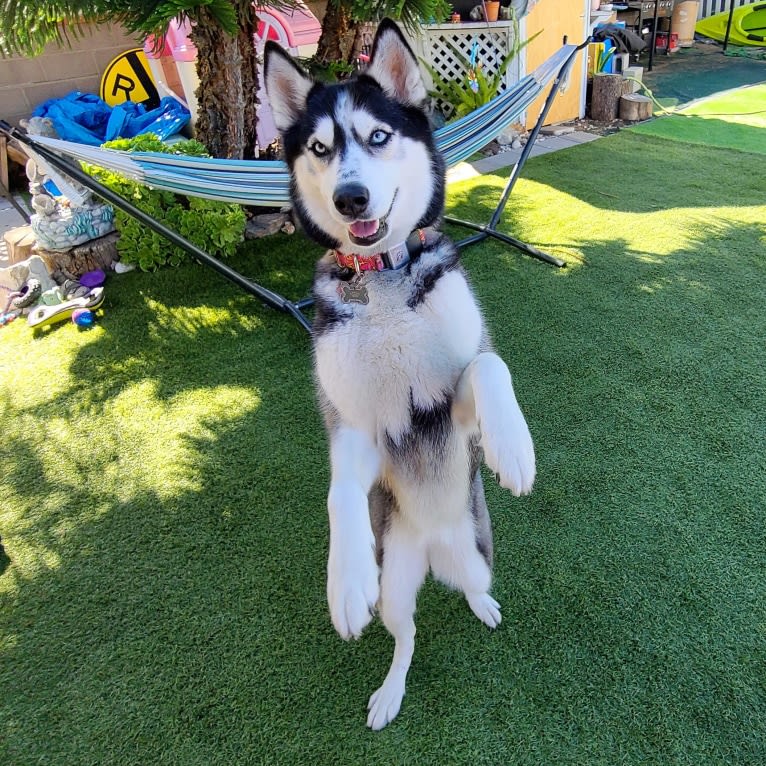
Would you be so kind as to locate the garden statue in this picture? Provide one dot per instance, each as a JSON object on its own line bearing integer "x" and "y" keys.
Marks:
{"x": 66, "y": 214}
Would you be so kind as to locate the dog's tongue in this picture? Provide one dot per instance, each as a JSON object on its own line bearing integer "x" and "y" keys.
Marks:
{"x": 364, "y": 229}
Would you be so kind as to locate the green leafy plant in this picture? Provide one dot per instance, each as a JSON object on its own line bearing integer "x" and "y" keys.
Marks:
{"x": 329, "y": 72}
{"x": 411, "y": 13}
{"x": 217, "y": 227}
{"x": 604, "y": 58}
{"x": 473, "y": 88}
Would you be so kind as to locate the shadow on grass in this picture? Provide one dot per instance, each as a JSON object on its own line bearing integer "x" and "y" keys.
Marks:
{"x": 164, "y": 508}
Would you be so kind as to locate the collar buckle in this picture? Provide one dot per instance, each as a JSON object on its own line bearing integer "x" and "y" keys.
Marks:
{"x": 393, "y": 259}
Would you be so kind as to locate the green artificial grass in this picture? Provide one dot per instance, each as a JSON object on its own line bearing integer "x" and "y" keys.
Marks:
{"x": 735, "y": 120}
{"x": 162, "y": 503}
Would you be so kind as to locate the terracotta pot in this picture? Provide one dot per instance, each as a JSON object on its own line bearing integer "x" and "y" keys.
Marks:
{"x": 491, "y": 9}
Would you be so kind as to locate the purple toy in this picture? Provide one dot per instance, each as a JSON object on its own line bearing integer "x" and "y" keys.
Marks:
{"x": 93, "y": 278}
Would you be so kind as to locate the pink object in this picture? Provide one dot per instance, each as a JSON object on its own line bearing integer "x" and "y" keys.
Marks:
{"x": 175, "y": 43}
{"x": 292, "y": 29}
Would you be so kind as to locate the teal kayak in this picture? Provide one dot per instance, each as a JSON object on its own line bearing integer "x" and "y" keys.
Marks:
{"x": 748, "y": 25}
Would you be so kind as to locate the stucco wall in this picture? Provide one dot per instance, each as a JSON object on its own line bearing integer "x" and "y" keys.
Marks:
{"x": 27, "y": 82}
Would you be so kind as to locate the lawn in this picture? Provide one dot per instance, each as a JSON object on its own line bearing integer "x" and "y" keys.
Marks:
{"x": 164, "y": 475}
{"x": 734, "y": 119}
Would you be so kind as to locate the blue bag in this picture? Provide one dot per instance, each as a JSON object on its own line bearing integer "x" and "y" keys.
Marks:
{"x": 86, "y": 119}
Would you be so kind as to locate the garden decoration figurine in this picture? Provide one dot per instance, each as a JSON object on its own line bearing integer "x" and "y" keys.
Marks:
{"x": 61, "y": 222}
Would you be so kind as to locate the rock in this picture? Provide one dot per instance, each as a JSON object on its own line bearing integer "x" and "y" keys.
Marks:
{"x": 15, "y": 277}
{"x": 265, "y": 224}
{"x": 507, "y": 137}
{"x": 556, "y": 130}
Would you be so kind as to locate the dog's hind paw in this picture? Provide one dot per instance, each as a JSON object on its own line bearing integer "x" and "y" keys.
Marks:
{"x": 385, "y": 703}
{"x": 485, "y": 608}
{"x": 352, "y": 593}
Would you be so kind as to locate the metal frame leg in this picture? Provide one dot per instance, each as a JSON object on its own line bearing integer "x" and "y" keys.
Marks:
{"x": 490, "y": 229}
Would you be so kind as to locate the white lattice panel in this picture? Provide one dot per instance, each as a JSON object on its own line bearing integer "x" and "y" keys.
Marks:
{"x": 447, "y": 48}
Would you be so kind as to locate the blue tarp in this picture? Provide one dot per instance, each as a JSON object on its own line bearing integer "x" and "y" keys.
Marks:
{"x": 86, "y": 119}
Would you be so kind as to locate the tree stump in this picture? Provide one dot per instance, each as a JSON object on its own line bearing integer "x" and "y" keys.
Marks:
{"x": 19, "y": 243}
{"x": 72, "y": 264}
{"x": 634, "y": 107}
{"x": 605, "y": 102}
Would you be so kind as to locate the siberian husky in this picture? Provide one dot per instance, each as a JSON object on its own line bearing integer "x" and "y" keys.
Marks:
{"x": 411, "y": 391}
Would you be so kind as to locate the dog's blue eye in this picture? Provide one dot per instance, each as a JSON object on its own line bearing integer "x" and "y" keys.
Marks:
{"x": 318, "y": 148}
{"x": 379, "y": 137}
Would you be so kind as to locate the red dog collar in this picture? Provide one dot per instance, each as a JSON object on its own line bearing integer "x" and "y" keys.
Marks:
{"x": 394, "y": 258}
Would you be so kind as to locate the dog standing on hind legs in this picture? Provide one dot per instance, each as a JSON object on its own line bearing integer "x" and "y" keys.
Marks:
{"x": 411, "y": 391}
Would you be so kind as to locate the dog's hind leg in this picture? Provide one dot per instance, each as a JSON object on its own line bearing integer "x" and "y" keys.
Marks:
{"x": 352, "y": 572}
{"x": 457, "y": 561}
{"x": 405, "y": 565}
{"x": 485, "y": 398}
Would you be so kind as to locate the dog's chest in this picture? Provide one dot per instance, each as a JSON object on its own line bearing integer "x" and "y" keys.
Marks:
{"x": 390, "y": 357}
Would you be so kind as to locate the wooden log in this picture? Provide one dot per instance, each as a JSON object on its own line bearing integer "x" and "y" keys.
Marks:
{"x": 5, "y": 184}
{"x": 605, "y": 102}
{"x": 19, "y": 243}
{"x": 634, "y": 107}
{"x": 72, "y": 264}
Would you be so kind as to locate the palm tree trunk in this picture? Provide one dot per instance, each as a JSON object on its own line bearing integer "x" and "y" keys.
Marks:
{"x": 338, "y": 32}
{"x": 228, "y": 76}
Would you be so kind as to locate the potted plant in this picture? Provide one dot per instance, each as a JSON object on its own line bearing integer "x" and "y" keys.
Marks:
{"x": 491, "y": 9}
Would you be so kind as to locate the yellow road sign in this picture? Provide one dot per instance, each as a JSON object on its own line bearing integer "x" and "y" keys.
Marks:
{"x": 128, "y": 78}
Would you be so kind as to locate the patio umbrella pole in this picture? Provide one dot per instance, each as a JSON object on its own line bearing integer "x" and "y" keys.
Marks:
{"x": 267, "y": 296}
{"x": 728, "y": 25}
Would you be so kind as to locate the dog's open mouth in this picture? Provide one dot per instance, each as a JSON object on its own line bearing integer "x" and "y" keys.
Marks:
{"x": 366, "y": 233}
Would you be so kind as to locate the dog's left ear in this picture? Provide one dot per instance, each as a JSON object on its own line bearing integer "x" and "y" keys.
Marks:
{"x": 394, "y": 66}
{"x": 287, "y": 86}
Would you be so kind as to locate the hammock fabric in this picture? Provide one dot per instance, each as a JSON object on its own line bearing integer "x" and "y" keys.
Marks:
{"x": 266, "y": 183}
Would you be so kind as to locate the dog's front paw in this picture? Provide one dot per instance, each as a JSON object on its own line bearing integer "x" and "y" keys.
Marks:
{"x": 508, "y": 449}
{"x": 352, "y": 590}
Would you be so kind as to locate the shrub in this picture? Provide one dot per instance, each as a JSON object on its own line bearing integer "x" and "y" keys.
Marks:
{"x": 216, "y": 227}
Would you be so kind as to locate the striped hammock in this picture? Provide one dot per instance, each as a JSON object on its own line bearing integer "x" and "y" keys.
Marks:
{"x": 267, "y": 183}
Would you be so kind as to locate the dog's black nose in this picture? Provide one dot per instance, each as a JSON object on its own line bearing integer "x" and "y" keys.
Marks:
{"x": 351, "y": 200}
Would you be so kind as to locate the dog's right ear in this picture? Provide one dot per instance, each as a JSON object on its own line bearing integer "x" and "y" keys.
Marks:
{"x": 287, "y": 86}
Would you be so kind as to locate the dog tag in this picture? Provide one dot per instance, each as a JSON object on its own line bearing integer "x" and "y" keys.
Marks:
{"x": 354, "y": 291}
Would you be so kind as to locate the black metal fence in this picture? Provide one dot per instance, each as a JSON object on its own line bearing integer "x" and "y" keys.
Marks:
{"x": 711, "y": 7}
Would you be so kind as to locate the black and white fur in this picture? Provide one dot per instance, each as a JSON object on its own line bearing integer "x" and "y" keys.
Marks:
{"x": 411, "y": 391}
